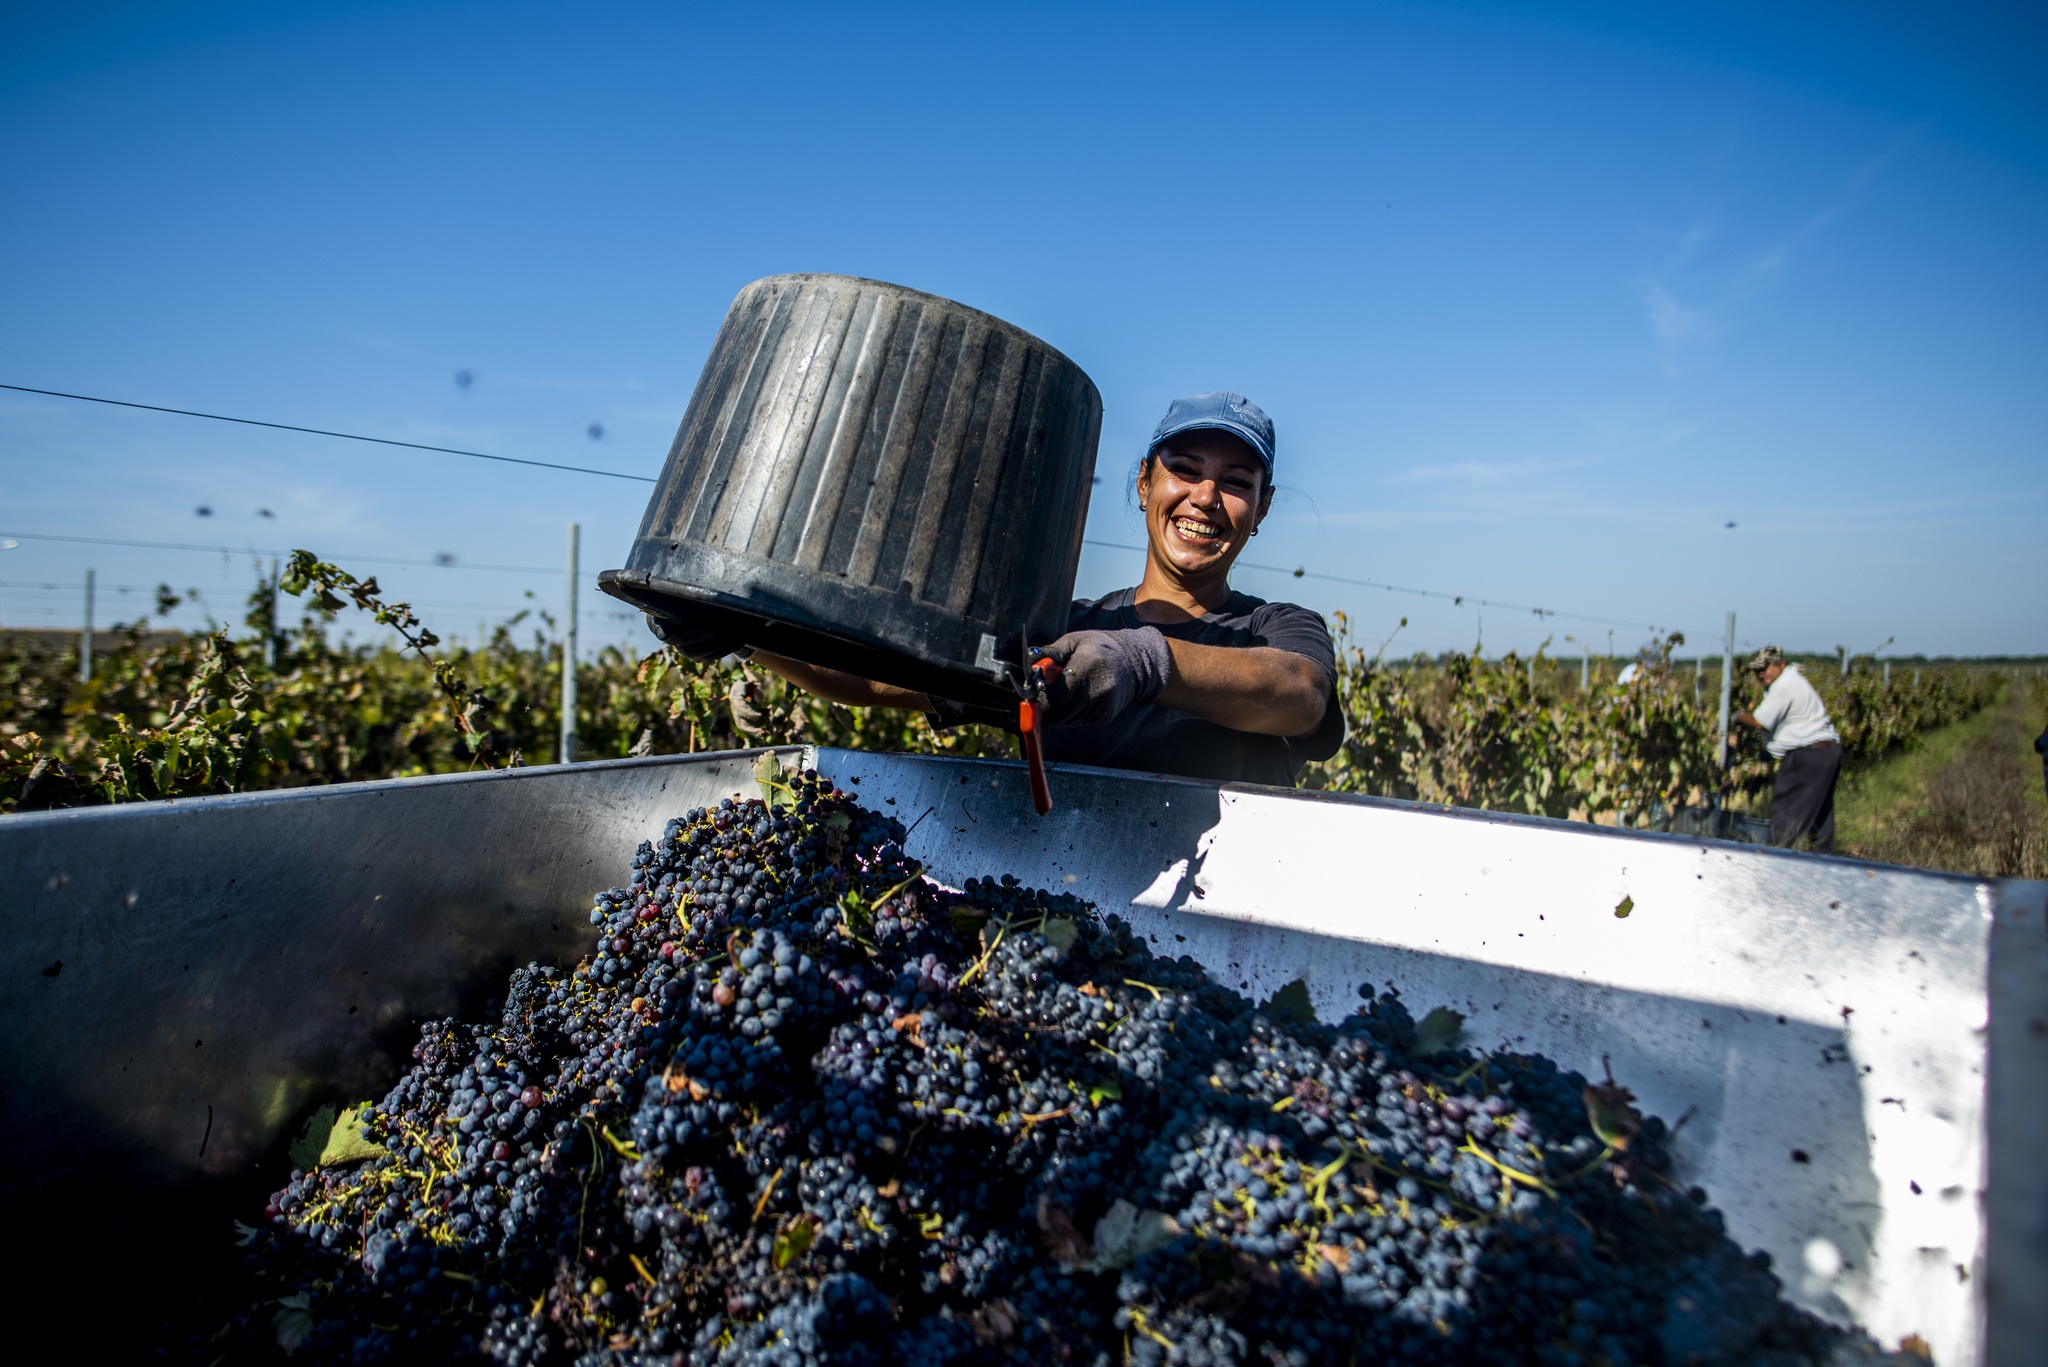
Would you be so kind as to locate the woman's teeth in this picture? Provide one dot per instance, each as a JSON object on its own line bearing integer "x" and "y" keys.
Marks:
{"x": 1203, "y": 531}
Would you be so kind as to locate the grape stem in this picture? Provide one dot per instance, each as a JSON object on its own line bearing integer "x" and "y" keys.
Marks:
{"x": 1512, "y": 1174}
{"x": 981, "y": 964}
{"x": 589, "y": 1171}
{"x": 766, "y": 1192}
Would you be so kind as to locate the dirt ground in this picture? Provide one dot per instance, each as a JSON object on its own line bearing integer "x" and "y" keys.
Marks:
{"x": 1970, "y": 802}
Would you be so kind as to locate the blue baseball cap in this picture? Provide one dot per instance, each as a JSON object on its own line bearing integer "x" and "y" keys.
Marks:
{"x": 1222, "y": 411}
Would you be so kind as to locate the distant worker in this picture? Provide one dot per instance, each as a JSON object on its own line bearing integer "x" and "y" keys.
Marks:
{"x": 1809, "y": 753}
{"x": 2041, "y": 749}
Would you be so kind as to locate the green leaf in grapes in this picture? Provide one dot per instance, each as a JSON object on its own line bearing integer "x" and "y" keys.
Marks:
{"x": 1292, "y": 1004}
{"x": 795, "y": 1237}
{"x": 1437, "y": 1031}
{"x": 346, "y": 1142}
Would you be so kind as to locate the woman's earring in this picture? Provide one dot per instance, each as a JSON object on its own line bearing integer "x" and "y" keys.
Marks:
{"x": 1255, "y": 531}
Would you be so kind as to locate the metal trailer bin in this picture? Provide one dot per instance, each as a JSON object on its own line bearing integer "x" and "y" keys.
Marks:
{"x": 1862, "y": 1050}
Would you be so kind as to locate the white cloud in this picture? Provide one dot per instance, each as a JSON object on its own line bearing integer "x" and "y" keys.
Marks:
{"x": 1623, "y": 445}
{"x": 1670, "y": 320}
{"x": 1689, "y": 297}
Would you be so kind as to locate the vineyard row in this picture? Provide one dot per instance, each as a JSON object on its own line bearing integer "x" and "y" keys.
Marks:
{"x": 205, "y": 714}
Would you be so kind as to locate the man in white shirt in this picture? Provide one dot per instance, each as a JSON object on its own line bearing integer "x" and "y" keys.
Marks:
{"x": 2041, "y": 749}
{"x": 1809, "y": 753}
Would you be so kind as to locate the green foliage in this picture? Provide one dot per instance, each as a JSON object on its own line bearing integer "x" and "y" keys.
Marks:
{"x": 1291, "y": 1004}
{"x": 1437, "y": 1031}
{"x": 151, "y": 724}
{"x": 204, "y": 713}
{"x": 1500, "y": 734}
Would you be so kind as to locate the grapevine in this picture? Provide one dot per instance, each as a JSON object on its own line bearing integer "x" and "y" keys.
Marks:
{"x": 203, "y": 713}
{"x": 1516, "y": 734}
{"x": 325, "y": 711}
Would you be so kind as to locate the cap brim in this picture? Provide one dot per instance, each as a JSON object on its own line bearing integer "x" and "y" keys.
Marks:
{"x": 1238, "y": 430}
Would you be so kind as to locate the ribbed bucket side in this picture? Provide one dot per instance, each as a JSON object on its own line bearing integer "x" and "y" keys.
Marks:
{"x": 885, "y": 441}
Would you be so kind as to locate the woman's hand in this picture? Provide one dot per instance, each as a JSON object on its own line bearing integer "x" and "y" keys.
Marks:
{"x": 1106, "y": 671}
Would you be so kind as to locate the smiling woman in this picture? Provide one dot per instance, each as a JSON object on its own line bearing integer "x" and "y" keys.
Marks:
{"x": 1181, "y": 674}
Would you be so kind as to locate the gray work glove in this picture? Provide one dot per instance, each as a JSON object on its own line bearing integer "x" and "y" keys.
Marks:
{"x": 1106, "y": 671}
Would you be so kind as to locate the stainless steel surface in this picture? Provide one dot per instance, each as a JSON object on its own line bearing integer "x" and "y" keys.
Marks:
{"x": 184, "y": 979}
{"x": 1856, "y": 1046}
{"x": 2016, "y": 1181}
{"x": 1821, "y": 1021}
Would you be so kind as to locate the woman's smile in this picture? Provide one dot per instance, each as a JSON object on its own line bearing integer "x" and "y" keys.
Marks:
{"x": 1200, "y": 530}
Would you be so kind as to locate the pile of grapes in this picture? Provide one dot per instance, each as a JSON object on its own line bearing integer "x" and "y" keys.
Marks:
{"x": 802, "y": 1105}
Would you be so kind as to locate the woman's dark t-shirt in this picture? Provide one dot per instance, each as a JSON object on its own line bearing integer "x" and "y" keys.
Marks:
{"x": 1163, "y": 740}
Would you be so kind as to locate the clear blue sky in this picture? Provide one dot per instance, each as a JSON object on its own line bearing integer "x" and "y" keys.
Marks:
{"x": 1540, "y": 297}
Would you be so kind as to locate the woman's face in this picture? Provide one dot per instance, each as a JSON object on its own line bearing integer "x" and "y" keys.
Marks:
{"x": 1203, "y": 492}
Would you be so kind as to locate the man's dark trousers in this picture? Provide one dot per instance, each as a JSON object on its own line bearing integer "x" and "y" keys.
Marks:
{"x": 1803, "y": 800}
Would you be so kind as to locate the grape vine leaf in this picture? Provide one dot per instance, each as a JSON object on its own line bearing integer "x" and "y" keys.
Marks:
{"x": 312, "y": 1141}
{"x": 859, "y": 914}
{"x": 1057, "y": 1232}
{"x": 1623, "y": 908}
{"x": 1437, "y": 1031}
{"x": 346, "y": 1142}
{"x": 749, "y": 718}
{"x": 1060, "y": 932}
{"x": 1292, "y": 1005}
{"x": 294, "y": 1322}
{"x": 1105, "y": 1090}
{"x": 775, "y": 788}
{"x": 1610, "y": 1111}
{"x": 1126, "y": 1233}
{"x": 332, "y": 1137}
{"x": 794, "y": 1239}
{"x": 1612, "y": 1118}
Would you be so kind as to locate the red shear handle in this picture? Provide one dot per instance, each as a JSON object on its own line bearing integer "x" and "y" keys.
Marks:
{"x": 1049, "y": 672}
{"x": 1034, "y": 757}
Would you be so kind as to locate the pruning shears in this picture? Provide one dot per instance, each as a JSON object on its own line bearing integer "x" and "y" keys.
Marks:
{"x": 1039, "y": 678}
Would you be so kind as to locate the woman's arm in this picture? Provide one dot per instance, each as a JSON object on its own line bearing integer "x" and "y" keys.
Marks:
{"x": 1260, "y": 689}
{"x": 834, "y": 685}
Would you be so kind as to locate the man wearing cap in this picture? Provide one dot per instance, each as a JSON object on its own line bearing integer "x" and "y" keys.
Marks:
{"x": 1809, "y": 753}
{"x": 1180, "y": 674}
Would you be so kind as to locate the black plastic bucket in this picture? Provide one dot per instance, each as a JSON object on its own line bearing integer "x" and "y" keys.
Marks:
{"x": 877, "y": 480}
